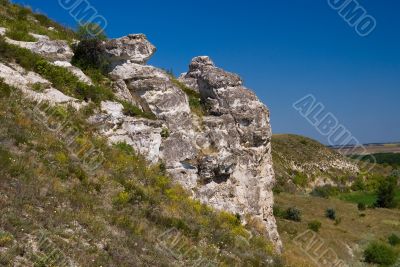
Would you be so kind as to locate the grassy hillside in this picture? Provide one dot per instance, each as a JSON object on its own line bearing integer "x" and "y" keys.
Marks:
{"x": 345, "y": 238}
{"x": 301, "y": 162}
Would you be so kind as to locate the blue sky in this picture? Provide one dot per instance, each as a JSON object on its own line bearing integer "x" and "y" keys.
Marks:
{"x": 283, "y": 49}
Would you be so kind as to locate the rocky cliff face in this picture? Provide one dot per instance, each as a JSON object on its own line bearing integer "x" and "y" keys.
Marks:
{"x": 223, "y": 157}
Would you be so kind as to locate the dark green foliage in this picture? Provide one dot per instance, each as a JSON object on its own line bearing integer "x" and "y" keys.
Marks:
{"x": 394, "y": 240}
{"x": 361, "y": 206}
{"x": 358, "y": 185}
{"x": 381, "y": 254}
{"x": 5, "y": 90}
{"x": 293, "y": 214}
{"x": 392, "y": 159}
{"x": 386, "y": 193}
{"x": 165, "y": 133}
{"x": 314, "y": 226}
{"x": 325, "y": 191}
{"x": 331, "y": 214}
{"x": 90, "y": 54}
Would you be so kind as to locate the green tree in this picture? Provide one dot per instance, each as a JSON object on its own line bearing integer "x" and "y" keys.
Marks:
{"x": 386, "y": 193}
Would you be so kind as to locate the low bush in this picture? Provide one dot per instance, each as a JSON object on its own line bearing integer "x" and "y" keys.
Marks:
{"x": 293, "y": 214}
{"x": 394, "y": 240}
{"x": 386, "y": 193}
{"x": 381, "y": 254}
{"x": 90, "y": 54}
{"x": 330, "y": 214}
{"x": 325, "y": 191}
{"x": 314, "y": 226}
{"x": 133, "y": 111}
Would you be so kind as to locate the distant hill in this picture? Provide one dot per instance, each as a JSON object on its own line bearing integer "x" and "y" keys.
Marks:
{"x": 369, "y": 149}
{"x": 300, "y": 162}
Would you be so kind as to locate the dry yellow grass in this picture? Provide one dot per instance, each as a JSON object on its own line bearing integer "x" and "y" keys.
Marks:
{"x": 347, "y": 239}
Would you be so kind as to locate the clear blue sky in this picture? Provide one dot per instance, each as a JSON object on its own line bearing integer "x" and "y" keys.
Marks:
{"x": 283, "y": 49}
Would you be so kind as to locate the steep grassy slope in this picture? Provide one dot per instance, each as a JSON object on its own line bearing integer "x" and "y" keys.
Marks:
{"x": 300, "y": 162}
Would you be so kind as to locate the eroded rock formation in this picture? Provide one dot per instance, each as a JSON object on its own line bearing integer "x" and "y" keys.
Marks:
{"x": 223, "y": 157}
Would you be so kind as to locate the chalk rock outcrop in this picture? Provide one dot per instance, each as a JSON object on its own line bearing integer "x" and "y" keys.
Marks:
{"x": 224, "y": 157}
{"x": 53, "y": 50}
{"x": 134, "y": 47}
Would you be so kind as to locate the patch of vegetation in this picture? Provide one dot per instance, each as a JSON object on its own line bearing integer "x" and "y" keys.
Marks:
{"x": 394, "y": 240}
{"x": 293, "y": 214}
{"x": 300, "y": 179}
{"x": 392, "y": 159}
{"x": 5, "y": 239}
{"x": 386, "y": 193}
{"x": 195, "y": 102}
{"x": 60, "y": 77}
{"x": 22, "y": 20}
{"x": 19, "y": 32}
{"x": 165, "y": 133}
{"x": 381, "y": 254}
{"x": 325, "y": 191}
{"x": 133, "y": 111}
{"x": 331, "y": 214}
{"x": 89, "y": 53}
{"x": 314, "y": 226}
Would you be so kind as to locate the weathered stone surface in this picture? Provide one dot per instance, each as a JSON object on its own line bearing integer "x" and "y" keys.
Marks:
{"x": 134, "y": 47}
{"x": 16, "y": 76}
{"x": 2, "y": 31}
{"x": 142, "y": 134}
{"x": 52, "y": 50}
{"x": 224, "y": 158}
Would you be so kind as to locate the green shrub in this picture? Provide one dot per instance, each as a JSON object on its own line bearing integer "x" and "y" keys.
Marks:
{"x": 278, "y": 212}
{"x": 164, "y": 133}
{"x": 300, "y": 179}
{"x": 5, "y": 89}
{"x": 381, "y": 254}
{"x": 394, "y": 240}
{"x": 293, "y": 214}
{"x": 90, "y": 54}
{"x": 325, "y": 191}
{"x": 361, "y": 206}
{"x": 314, "y": 226}
{"x": 133, "y": 111}
{"x": 358, "y": 185}
{"x": 331, "y": 214}
{"x": 386, "y": 193}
